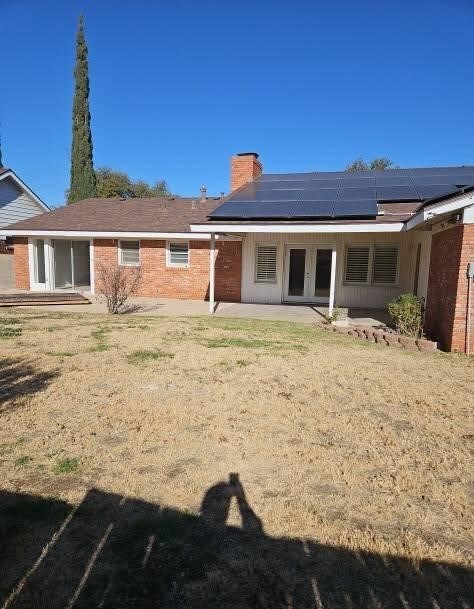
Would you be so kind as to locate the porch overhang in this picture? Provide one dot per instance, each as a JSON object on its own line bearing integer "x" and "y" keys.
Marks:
{"x": 374, "y": 227}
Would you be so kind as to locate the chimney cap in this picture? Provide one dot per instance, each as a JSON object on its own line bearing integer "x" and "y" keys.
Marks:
{"x": 254, "y": 154}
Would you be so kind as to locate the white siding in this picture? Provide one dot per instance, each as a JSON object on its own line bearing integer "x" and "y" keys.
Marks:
{"x": 15, "y": 205}
{"x": 345, "y": 295}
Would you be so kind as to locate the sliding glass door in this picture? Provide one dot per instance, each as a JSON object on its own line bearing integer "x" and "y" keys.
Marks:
{"x": 71, "y": 264}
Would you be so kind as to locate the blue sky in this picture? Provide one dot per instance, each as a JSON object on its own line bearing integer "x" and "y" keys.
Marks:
{"x": 178, "y": 87}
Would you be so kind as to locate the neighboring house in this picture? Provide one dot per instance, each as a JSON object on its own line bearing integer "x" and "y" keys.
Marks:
{"x": 353, "y": 240}
{"x": 17, "y": 202}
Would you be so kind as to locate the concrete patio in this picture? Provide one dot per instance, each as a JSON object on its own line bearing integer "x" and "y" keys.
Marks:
{"x": 302, "y": 313}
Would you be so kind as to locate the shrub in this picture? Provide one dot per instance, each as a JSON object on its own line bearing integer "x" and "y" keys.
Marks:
{"x": 406, "y": 312}
{"x": 117, "y": 284}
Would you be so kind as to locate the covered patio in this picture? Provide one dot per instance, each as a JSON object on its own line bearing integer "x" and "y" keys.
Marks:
{"x": 169, "y": 307}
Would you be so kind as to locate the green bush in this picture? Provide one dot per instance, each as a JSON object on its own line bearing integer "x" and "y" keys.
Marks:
{"x": 406, "y": 312}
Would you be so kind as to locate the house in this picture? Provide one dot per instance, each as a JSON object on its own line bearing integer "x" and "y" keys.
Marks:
{"x": 17, "y": 202}
{"x": 329, "y": 238}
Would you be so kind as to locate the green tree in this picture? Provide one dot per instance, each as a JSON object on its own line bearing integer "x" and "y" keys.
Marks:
{"x": 112, "y": 183}
{"x": 83, "y": 182}
{"x": 377, "y": 163}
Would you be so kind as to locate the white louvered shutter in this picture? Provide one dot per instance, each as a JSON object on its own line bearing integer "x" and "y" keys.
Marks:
{"x": 357, "y": 264}
{"x": 266, "y": 262}
{"x": 179, "y": 254}
{"x": 130, "y": 253}
{"x": 384, "y": 270}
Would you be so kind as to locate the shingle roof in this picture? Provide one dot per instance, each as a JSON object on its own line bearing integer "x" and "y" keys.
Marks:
{"x": 3, "y": 170}
{"x": 119, "y": 215}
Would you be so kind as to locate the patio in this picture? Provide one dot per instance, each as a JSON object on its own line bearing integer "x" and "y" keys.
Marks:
{"x": 168, "y": 307}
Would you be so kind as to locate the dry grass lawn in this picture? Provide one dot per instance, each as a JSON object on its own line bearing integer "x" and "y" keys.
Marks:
{"x": 117, "y": 437}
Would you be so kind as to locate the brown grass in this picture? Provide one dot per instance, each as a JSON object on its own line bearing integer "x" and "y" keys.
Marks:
{"x": 365, "y": 451}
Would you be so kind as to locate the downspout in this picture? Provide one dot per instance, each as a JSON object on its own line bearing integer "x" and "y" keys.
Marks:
{"x": 470, "y": 275}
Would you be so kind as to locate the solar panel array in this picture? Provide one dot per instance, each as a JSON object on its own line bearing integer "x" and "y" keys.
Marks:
{"x": 339, "y": 194}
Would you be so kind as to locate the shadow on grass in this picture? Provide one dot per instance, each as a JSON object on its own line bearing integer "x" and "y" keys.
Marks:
{"x": 19, "y": 378}
{"x": 115, "y": 552}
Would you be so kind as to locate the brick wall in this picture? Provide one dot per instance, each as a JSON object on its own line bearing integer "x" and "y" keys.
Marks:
{"x": 22, "y": 274}
{"x": 187, "y": 283}
{"x": 446, "y": 303}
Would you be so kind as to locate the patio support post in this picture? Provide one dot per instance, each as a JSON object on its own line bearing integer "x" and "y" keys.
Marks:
{"x": 332, "y": 287}
{"x": 212, "y": 272}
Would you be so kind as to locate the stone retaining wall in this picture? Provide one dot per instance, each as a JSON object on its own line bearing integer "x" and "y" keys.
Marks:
{"x": 384, "y": 337}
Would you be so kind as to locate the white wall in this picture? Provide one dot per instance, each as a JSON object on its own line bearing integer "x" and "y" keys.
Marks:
{"x": 346, "y": 296}
{"x": 15, "y": 205}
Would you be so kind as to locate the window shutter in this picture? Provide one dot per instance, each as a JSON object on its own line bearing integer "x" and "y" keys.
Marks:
{"x": 266, "y": 262}
{"x": 179, "y": 254}
{"x": 357, "y": 264}
{"x": 130, "y": 253}
{"x": 385, "y": 264}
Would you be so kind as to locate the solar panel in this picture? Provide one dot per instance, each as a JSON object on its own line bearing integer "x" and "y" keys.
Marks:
{"x": 395, "y": 180}
{"x": 333, "y": 183}
{"x": 434, "y": 179}
{"x": 397, "y": 193}
{"x": 288, "y": 184}
{"x": 313, "y": 209}
{"x": 360, "y": 182}
{"x": 321, "y": 194}
{"x": 357, "y": 193}
{"x": 271, "y": 177}
{"x": 362, "y": 208}
{"x": 232, "y": 210}
{"x": 464, "y": 180}
{"x": 430, "y": 191}
{"x": 299, "y": 176}
{"x": 279, "y": 209}
{"x": 278, "y": 195}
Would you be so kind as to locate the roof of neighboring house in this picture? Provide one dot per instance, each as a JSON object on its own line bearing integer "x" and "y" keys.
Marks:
{"x": 172, "y": 215}
{"x": 337, "y": 195}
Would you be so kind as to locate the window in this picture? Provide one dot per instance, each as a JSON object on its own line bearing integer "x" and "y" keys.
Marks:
{"x": 129, "y": 253}
{"x": 371, "y": 264}
{"x": 357, "y": 263}
{"x": 384, "y": 270}
{"x": 265, "y": 264}
{"x": 178, "y": 254}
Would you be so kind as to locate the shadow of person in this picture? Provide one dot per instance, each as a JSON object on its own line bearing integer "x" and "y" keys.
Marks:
{"x": 216, "y": 502}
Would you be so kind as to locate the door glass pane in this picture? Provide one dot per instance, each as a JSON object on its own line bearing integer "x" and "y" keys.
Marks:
{"x": 39, "y": 261}
{"x": 323, "y": 273}
{"x": 62, "y": 264}
{"x": 296, "y": 272}
{"x": 80, "y": 251}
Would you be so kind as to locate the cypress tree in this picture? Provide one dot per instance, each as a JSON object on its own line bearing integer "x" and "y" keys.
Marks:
{"x": 83, "y": 183}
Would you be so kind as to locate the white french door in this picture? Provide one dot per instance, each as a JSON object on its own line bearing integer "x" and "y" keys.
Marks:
{"x": 308, "y": 273}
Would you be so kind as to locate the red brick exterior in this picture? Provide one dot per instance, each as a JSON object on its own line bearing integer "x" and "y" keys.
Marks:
{"x": 446, "y": 302}
{"x": 22, "y": 274}
{"x": 244, "y": 168}
{"x": 186, "y": 283}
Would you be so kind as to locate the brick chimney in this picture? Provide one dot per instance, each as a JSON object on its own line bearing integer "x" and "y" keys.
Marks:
{"x": 244, "y": 168}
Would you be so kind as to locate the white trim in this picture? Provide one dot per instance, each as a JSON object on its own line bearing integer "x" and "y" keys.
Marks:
{"x": 468, "y": 215}
{"x": 91, "y": 266}
{"x": 212, "y": 274}
{"x": 70, "y": 234}
{"x": 332, "y": 285}
{"x": 437, "y": 209}
{"x": 376, "y": 227}
{"x": 174, "y": 265}
{"x": 119, "y": 253}
{"x": 11, "y": 174}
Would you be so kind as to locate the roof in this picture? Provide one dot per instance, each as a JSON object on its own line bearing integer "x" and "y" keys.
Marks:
{"x": 3, "y": 170}
{"x": 119, "y": 215}
{"x": 337, "y": 195}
